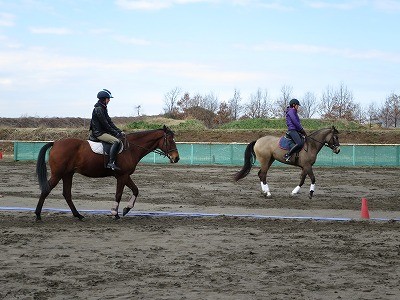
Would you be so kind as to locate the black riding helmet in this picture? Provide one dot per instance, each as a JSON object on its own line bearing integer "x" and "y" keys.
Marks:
{"x": 294, "y": 102}
{"x": 104, "y": 94}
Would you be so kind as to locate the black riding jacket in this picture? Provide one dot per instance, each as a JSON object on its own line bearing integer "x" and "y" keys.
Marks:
{"x": 101, "y": 123}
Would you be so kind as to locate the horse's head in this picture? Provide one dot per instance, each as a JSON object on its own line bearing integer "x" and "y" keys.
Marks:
{"x": 332, "y": 140}
{"x": 168, "y": 146}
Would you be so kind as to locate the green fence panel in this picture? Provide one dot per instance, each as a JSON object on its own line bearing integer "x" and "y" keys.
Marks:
{"x": 232, "y": 154}
{"x": 28, "y": 150}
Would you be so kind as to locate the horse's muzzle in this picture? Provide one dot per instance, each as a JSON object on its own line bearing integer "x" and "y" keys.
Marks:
{"x": 336, "y": 150}
{"x": 173, "y": 157}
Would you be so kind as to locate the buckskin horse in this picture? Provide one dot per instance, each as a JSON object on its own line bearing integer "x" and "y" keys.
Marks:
{"x": 69, "y": 156}
{"x": 266, "y": 149}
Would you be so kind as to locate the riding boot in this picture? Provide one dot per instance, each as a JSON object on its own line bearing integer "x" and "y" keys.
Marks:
{"x": 113, "y": 154}
{"x": 289, "y": 154}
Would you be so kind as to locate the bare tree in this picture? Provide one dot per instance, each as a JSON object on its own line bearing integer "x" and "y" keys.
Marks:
{"x": 185, "y": 102}
{"x": 390, "y": 111}
{"x": 327, "y": 103}
{"x": 258, "y": 105}
{"x": 283, "y": 102}
{"x": 170, "y": 101}
{"x": 224, "y": 114}
{"x": 338, "y": 104}
{"x": 234, "y": 105}
{"x": 308, "y": 105}
{"x": 372, "y": 114}
{"x": 138, "y": 107}
{"x": 210, "y": 102}
{"x": 360, "y": 114}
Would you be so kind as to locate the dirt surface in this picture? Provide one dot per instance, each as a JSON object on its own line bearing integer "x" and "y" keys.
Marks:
{"x": 220, "y": 257}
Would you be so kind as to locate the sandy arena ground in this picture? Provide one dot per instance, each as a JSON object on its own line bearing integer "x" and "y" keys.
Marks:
{"x": 223, "y": 257}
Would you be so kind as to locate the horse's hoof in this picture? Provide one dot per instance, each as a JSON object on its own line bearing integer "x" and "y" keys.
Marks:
{"x": 125, "y": 211}
{"x": 294, "y": 194}
{"x": 117, "y": 217}
{"x": 311, "y": 194}
{"x": 80, "y": 217}
{"x": 38, "y": 219}
{"x": 266, "y": 195}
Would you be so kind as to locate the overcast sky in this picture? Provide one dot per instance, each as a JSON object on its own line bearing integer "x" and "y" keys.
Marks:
{"x": 55, "y": 55}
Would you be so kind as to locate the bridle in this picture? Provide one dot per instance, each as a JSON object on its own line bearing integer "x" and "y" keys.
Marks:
{"x": 331, "y": 144}
{"x": 165, "y": 153}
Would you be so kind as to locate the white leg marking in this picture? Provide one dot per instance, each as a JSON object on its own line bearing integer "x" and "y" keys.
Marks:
{"x": 312, "y": 187}
{"x": 296, "y": 190}
{"x": 265, "y": 189}
{"x": 131, "y": 202}
{"x": 114, "y": 209}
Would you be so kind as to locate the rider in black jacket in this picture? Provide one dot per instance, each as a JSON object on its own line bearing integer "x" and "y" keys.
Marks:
{"x": 102, "y": 128}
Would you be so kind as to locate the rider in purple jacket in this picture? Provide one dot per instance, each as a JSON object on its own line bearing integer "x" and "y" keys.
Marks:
{"x": 294, "y": 127}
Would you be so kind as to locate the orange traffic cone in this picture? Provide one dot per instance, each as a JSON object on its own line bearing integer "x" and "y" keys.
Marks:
{"x": 364, "y": 209}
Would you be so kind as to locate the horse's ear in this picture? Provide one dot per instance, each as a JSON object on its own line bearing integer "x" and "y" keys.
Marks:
{"x": 335, "y": 130}
{"x": 165, "y": 128}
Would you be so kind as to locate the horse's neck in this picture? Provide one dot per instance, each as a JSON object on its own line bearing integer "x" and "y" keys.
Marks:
{"x": 317, "y": 140}
{"x": 145, "y": 142}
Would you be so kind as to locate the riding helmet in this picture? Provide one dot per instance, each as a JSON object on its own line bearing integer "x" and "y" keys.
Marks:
{"x": 294, "y": 102}
{"x": 104, "y": 94}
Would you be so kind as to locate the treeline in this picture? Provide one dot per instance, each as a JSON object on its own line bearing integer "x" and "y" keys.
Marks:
{"x": 335, "y": 103}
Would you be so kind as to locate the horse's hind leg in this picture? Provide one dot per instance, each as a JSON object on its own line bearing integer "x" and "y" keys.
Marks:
{"x": 67, "y": 186}
{"x": 43, "y": 195}
{"x": 262, "y": 174}
{"x": 135, "y": 192}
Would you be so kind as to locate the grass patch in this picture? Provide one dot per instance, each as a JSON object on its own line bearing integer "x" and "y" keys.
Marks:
{"x": 308, "y": 124}
{"x": 153, "y": 124}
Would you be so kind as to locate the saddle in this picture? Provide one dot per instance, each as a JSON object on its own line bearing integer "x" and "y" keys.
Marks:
{"x": 286, "y": 142}
{"x": 101, "y": 147}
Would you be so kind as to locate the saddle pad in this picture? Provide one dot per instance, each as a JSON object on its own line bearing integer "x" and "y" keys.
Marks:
{"x": 285, "y": 143}
{"x": 97, "y": 147}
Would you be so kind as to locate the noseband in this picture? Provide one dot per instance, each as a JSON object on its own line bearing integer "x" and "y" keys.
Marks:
{"x": 165, "y": 153}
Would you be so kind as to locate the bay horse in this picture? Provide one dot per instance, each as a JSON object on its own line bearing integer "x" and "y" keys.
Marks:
{"x": 70, "y": 155}
{"x": 266, "y": 149}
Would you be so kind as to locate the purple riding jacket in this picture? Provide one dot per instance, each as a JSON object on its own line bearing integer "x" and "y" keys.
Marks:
{"x": 292, "y": 119}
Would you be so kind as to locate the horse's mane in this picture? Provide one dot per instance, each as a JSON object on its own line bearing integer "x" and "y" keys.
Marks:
{"x": 146, "y": 132}
{"x": 324, "y": 129}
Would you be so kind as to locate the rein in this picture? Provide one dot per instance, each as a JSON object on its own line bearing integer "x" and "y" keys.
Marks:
{"x": 323, "y": 143}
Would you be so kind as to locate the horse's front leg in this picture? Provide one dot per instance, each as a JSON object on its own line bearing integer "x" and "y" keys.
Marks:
{"x": 135, "y": 192}
{"x": 312, "y": 186}
{"x": 118, "y": 194}
{"x": 303, "y": 175}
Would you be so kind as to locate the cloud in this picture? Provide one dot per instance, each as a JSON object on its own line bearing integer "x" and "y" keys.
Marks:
{"x": 6, "y": 20}
{"x": 132, "y": 41}
{"x": 314, "y": 49}
{"x": 50, "y": 30}
{"x": 156, "y": 4}
{"x": 384, "y": 5}
{"x": 387, "y": 5}
{"x": 344, "y": 5}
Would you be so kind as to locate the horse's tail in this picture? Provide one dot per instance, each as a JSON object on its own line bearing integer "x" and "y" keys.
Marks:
{"x": 249, "y": 159}
{"x": 41, "y": 169}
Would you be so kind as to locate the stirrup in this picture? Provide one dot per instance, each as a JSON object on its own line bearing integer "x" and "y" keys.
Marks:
{"x": 287, "y": 157}
{"x": 111, "y": 165}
